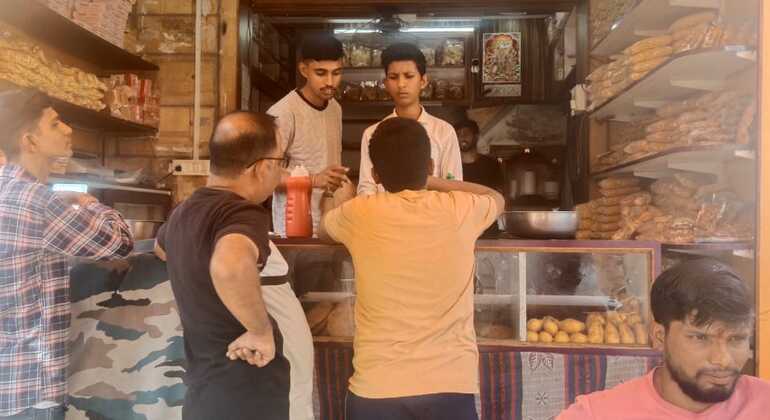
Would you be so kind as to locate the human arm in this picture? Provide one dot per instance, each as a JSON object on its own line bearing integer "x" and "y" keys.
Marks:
{"x": 78, "y": 225}
{"x": 446, "y": 185}
{"x": 235, "y": 275}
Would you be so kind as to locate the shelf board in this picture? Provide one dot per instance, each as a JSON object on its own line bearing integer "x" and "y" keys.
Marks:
{"x": 389, "y": 104}
{"x": 681, "y": 158}
{"x": 649, "y": 17}
{"x": 682, "y": 76}
{"x": 745, "y": 249}
{"x": 40, "y": 22}
{"x": 101, "y": 185}
{"x": 429, "y": 68}
{"x": 85, "y": 118}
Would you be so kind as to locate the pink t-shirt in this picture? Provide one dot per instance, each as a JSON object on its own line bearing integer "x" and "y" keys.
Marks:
{"x": 638, "y": 400}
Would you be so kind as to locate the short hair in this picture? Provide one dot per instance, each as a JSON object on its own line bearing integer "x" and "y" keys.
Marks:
{"x": 467, "y": 123}
{"x": 404, "y": 51}
{"x": 704, "y": 289}
{"x": 321, "y": 47}
{"x": 20, "y": 110}
{"x": 400, "y": 153}
{"x": 239, "y": 139}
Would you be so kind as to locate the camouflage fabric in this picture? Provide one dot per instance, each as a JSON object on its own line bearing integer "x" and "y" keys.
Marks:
{"x": 127, "y": 353}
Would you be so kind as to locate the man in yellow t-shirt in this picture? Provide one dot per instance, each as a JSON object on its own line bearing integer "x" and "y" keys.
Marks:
{"x": 415, "y": 353}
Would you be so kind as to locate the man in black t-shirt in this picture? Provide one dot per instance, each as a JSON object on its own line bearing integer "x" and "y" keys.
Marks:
{"x": 478, "y": 168}
{"x": 216, "y": 244}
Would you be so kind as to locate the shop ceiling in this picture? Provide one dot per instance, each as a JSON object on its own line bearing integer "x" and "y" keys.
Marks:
{"x": 422, "y": 8}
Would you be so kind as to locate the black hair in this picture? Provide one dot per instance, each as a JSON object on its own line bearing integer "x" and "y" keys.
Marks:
{"x": 239, "y": 139}
{"x": 704, "y": 289}
{"x": 400, "y": 154}
{"x": 404, "y": 51}
{"x": 321, "y": 47}
{"x": 467, "y": 123}
{"x": 20, "y": 110}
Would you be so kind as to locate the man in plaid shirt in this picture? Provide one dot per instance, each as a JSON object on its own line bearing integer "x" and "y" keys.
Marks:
{"x": 39, "y": 230}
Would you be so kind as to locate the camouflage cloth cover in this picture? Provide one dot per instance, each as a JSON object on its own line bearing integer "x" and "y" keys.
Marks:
{"x": 127, "y": 352}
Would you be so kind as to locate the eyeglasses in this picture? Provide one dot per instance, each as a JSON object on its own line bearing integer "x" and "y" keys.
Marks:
{"x": 284, "y": 161}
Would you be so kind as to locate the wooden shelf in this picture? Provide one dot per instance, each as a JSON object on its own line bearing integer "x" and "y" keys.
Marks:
{"x": 683, "y": 75}
{"x": 101, "y": 185}
{"x": 264, "y": 84}
{"x": 85, "y": 118}
{"x": 648, "y": 18}
{"x": 53, "y": 29}
{"x": 682, "y": 158}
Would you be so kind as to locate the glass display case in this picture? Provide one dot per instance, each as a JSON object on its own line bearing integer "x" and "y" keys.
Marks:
{"x": 527, "y": 293}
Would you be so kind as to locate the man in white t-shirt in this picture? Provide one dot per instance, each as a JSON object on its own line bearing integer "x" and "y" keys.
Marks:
{"x": 405, "y": 77}
{"x": 309, "y": 123}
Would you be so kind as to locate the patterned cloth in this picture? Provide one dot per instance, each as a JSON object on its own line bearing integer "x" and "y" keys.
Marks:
{"x": 515, "y": 384}
{"x": 38, "y": 231}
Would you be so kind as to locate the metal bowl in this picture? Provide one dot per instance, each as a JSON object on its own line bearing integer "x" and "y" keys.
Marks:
{"x": 143, "y": 229}
{"x": 540, "y": 224}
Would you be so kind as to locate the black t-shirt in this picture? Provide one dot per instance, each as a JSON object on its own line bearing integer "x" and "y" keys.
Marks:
{"x": 485, "y": 171}
{"x": 189, "y": 238}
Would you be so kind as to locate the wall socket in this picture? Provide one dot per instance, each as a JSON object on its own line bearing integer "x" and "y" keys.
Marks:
{"x": 188, "y": 167}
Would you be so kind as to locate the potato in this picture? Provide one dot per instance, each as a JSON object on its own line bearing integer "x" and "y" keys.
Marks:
{"x": 571, "y": 326}
{"x": 532, "y": 337}
{"x": 611, "y": 334}
{"x": 615, "y": 317}
{"x": 561, "y": 337}
{"x": 634, "y": 319}
{"x": 495, "y": 331}
{"x": 545, "y": 337}
{"x": 550, "y": 325}
{"x": 626, "y": 334}
{"x": 578, "y": 338}
{"x": 595, "y": 317}
{"x": 641, "y": 334}
{"x": 535, "y": 325}
{"x": 596, "y": 334}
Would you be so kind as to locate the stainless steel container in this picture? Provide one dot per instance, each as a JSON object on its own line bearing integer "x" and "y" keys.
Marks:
{"x": 540, "y": 224}
{"x": 143, "y": 229}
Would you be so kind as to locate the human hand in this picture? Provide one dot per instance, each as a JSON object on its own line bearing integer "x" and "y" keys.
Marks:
{"x": 253, "y": 348}
{"x": 330, "y": 178}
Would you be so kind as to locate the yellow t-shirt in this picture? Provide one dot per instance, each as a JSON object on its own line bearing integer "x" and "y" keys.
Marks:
{"x": 413, "y": 253}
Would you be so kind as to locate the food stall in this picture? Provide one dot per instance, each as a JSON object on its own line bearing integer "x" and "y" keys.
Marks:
{"x": 554, "y": 318}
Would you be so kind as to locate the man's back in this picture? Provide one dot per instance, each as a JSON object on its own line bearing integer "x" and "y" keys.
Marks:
{"x": 414, "y": 254}
{"x": 638, "y": 400}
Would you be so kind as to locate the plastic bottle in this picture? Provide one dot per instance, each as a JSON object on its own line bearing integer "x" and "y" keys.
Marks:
{"x": 299, "y": 223}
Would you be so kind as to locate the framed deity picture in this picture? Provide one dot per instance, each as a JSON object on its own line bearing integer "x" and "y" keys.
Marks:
{"x": 501, "y": 58}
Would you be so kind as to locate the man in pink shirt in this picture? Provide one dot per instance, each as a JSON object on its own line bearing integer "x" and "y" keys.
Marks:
{"x": 704, "y": 316}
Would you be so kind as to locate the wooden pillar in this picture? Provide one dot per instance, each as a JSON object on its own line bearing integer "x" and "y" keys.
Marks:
{"x": 763, "y": 213}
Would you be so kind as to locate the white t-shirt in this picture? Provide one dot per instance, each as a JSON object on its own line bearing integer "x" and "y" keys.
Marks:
{"x": 444, "y": 150}
{"x": 312, "y": 137}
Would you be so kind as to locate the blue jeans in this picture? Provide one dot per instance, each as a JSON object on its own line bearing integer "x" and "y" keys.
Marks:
{"x": 53, "y": 413}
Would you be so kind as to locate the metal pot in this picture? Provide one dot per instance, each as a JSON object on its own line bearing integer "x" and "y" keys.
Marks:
{"x": 143, "y": 229}
{"x": 540, "y": 224}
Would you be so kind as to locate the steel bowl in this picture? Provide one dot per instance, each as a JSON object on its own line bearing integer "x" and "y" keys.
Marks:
{"x": 143, "y": 229}
{"x": 540, "y": 224}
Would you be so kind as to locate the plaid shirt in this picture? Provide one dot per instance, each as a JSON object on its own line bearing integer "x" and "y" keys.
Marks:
{"x": 38, "y": 231}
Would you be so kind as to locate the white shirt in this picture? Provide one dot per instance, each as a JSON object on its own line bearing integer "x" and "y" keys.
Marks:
{"x": 312, "y": 137}
{"x": 444, "y": 150}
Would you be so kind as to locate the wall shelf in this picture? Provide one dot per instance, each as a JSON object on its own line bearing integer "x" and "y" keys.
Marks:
{"x": 683, "y": 75}
{"x": 53, "y": 29}
{"x": 648, "y": 18}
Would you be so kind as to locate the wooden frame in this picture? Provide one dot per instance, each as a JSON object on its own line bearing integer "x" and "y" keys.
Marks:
{"x": 763, "y": 200}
